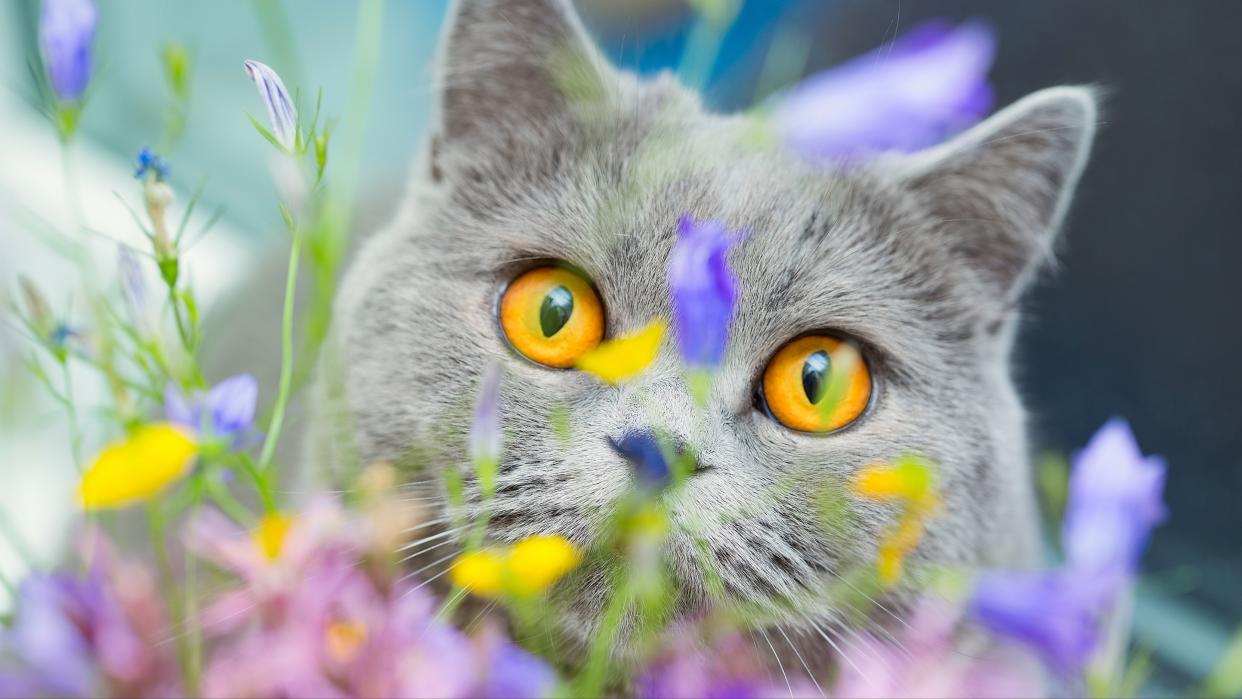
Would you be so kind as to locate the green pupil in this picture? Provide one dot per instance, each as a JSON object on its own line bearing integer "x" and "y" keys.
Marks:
{"x": 815, "y": 376}
{"x": 557, "y": 307}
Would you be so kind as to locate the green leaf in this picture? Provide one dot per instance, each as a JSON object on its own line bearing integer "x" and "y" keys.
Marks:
{"x": 189, "y": 210}
{"x": 1226, "y": 679}
{"x": 271, "y": 138}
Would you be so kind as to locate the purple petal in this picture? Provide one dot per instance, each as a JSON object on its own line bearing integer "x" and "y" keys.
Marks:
{"x": 231, "y": 404}
{"x": 281, "y": 113}
{"x": 512, "y": 673}
{"x": 66, "y": 30}
{"x": 704, "y": 290}
{"x": 926, "y": 86}
{"x": 1114, "y": 501}
{"x": 54, "y": 655}
{"x": 1056, "y": 614}
{"x": 180, "y": 410}
{"x": 485, "y": 433}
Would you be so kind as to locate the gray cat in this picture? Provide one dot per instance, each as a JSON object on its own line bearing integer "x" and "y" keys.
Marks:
{"x": 543, "y": 153}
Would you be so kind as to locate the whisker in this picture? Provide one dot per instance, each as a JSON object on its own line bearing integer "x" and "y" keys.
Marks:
{"x": 798, "y": 655}
{"x": 433, "y": 537}
{"x": 840, "y": 653}
{"x": 779, "y": 664}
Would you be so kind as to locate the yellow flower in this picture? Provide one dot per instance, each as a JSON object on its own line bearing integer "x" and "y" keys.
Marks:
{"x": 480, "y": 572}
{"x": 269, "y": 536}
{"x": 617, "y": 360}
{"x": 526, "y": 568}
{"x": 910, "y": 479}
{"x": 344, "y": 639}
{"x": 138, "y": 467}
{"x": 910, "y": 482}
{"x": 537, "y": 562}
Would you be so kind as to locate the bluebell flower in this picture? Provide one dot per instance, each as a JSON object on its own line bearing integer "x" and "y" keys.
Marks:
{"x": 927, "y": 85}
{"x": 704, "y": 291}
{"x": 485, "y": 433}
{"x": 66, "y": 30}
{"x": 225, "y": 412}
{"x": 281, "y": 113}
{"x": 1114, "y": 501}
{"x": 646, "y": 456}
{"x": 149, "y": 162}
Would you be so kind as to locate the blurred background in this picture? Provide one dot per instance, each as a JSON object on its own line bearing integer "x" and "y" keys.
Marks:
{"x": 1142, "y": 319}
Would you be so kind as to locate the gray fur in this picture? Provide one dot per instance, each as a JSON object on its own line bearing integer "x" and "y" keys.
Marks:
{"x": 919, "y": 257}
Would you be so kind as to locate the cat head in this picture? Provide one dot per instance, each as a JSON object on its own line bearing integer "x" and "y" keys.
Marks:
{"x": 546, "y": 156}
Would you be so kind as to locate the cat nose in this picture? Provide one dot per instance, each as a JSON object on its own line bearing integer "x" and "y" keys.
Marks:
{"x": 649, "y": 456}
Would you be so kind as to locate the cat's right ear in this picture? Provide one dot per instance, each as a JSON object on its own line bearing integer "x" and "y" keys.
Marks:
{"x": 514, "y": 74}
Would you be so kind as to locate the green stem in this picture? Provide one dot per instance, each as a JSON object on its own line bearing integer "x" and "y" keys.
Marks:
{"x": 167, "y": 581}
{"x": 286, "y": 359}
{"x": 274, "y": 25}
{"x": 193, "y": 632}
{"x": 261, "y": 483}
{"x": 75, "y": 432}
{"x": 595, "y": 675}
{"x": 187, "y": 339}
{"x": 229, "y": 505}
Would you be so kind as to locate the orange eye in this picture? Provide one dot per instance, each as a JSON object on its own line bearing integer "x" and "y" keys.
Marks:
{"x": 816, "y": 384}
{"x": 552, "y": 316}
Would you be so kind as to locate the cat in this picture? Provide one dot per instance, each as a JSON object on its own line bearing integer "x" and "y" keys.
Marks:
{"x": 543, "y": 152}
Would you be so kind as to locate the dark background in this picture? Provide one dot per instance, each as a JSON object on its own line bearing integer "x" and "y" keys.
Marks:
{"x": 1142, "y": 317}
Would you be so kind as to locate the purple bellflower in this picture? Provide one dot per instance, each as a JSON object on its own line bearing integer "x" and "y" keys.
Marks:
{"x": 1114, "y": 501}
{"x": 925, "y": 86}
{"x": 66, "y": 30}
{"x": 225, "y": 412}
{"x": 704, "y": 291}
{"x": 281, "y": 113}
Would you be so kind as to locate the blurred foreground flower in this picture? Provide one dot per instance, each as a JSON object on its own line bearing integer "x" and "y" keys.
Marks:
{"x": 226, "y": 412}
{"x": 525, "y": 569}
{"x": 615, "y": 361}
{"x": 911, "y": 94}
{"x": 926, "y": 660}
{"x": 691, "y": 667}
{"x": 87, "y": 635}
{"x": 138, "y": 467}
{"x": 314, "y": 622}
{"x": 485, "y": 435}
{"x": 281, "y": 113}
{"x": 149, "y": 164}
{"x": 1114, "y": 501}
{"x": 704, "y": 292}
{"x": 911, "y": 483}
{"x": 66, "y": 31}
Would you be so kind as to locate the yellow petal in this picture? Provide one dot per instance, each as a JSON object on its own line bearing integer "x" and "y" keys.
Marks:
{"x": 138, "y": 467}
{"x": 480, "y": 572}
{"x": 269, "y": 536}
{"x": 615, "y": 361}
{"x": 909, "y": 480}
{"x": 537, "y": 562}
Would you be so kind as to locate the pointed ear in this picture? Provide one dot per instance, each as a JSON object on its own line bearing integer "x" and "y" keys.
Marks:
{"x": 1000, "y": 191}
{"x": 514, "y": 71}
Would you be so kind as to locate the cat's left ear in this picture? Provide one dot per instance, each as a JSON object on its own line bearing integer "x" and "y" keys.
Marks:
{"x": 514, "y": 73}
{"x": 999, "y": 192}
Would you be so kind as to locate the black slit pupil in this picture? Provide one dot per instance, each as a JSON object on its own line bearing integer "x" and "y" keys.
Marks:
{"x": 557, "y": 307}
{"x": 815, "y": 376}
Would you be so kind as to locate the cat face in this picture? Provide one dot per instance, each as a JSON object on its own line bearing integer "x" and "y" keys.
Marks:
{"x": 546, "y": 156}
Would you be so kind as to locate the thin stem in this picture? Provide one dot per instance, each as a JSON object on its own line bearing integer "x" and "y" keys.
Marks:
{"x": 187, "y": 338}
{"x": 167, "y": 581}
{"x": 286, "y": 358}
{"x": 260, "y": 482}
{"x": 75, "y": 432}
{"x": 194, "y": 632}
{"x": 595, "y": 675}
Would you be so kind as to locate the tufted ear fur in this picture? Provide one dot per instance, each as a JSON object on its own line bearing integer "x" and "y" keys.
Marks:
{"x": 1000, "y": 190}
{"x": 514, "y": 73}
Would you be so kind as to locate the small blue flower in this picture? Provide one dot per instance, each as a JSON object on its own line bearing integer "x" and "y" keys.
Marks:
{"x": 225, "y": 412}
{"x": 148, "y": 161}
{"x": 921, "y": 89}
{"x": 645, "y": 455}
{"x": 704, "y": 290}
{"x": 281, "y": 113}
{"x": 66, "y": 30}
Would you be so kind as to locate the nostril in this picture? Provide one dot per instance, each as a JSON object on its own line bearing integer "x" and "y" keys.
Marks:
{"x": 647, "y": 456}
